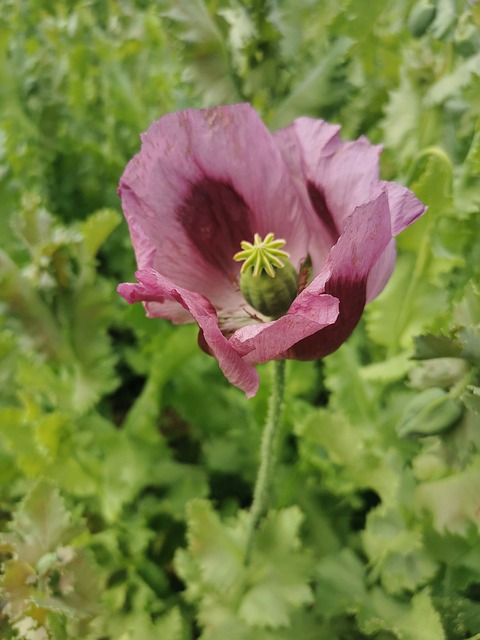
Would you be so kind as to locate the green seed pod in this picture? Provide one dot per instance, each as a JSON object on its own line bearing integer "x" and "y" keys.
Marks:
{"x": 438, "y": 372}
{"x": 431, "y": 412}
{"x": 421, "y": 17}
{"x": 270, "y": 296}
{"x": 268, "y": 279}
{"x": 466, "y": 38}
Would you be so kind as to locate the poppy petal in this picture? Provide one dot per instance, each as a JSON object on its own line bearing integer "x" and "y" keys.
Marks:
{"x": 153, "y": 287}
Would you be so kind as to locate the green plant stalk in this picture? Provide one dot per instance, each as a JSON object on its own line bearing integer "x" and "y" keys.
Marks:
{"x": 268, "y": 452}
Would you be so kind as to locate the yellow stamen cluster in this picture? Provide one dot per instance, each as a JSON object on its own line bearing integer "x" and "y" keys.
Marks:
{"x": 262, "y": 255}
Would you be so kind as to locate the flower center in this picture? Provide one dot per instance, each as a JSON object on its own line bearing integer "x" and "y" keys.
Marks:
{"x": 262, "y": 255}
{"x": 268, "y": 281}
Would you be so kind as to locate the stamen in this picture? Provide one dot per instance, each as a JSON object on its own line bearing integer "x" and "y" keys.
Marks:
{"x": 262, "y": 255}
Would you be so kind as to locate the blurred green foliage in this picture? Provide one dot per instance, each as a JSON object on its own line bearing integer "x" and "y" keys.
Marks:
{"x": 126, "y": 460}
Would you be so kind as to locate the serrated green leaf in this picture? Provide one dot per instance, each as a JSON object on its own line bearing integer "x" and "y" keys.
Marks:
{"x": 218, "y": 550}
{"x": 16, "y": 587}
{"x": 285, "y": 570}
{"x": 451, "y": 85}
{"x": 46, "y": 573}
{"x": 196, "y": 20}
{"x": 452, "y": 502}
{"x": 400, "y": 619}
{"x": 431, "y": 346}
{"x": 402, "y": 115}
{"x": 459, "y": 553}
{"x": 18, "y": 438}
{"x": 340, "y": 584}
{"x": 30, "y": 629}
{"x": 97, "y": 228}
{"x": 241, "y": 33}
{"x": 316, "y": 89}
{"x": 93, "y": 369}
{"x": 347, "y": 457}
{"x": 263, "y": 595}
{"x": 463, "y": 343}
{"x": 49, "y": 431}
{"x": 396, "y": 553}
{"x": 445, "y": 17}
{"x": 169, "y": 626}
{"x": 29, "y": 308}
{"x": 387, "y": 370}
{"x": 128, "y": 467}
{"x": 208, "y": 65}
{"x": 471, "y": 398}
{"x": 470, "y": 337}
{"x": 41, "y": 523}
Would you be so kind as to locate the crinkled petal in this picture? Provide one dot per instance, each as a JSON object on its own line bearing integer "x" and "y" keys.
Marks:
{"x": 381, "y": 272}
{"x": 343, "y": 179}
{"x": 268, "y": 341}
{"x": 153, "y": 287}
{"x": 337, "y": 177}
{"x": 204, "y": 181}
{"x": 405, "y": 207}
{"x": 304, "y": 145}
{"x": 366, "y": 237}
{"x": 168, "y": 309}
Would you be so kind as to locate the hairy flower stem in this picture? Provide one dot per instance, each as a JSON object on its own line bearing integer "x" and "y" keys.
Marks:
{"x": 268, "y": 451}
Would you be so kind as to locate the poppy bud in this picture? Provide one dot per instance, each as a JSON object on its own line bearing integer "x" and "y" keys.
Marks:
{"x": 421, "y": 17}
{"x": 431, "y": 412}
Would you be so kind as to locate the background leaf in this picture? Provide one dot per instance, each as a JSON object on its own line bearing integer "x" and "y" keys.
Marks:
{"x": 126, "y": 459}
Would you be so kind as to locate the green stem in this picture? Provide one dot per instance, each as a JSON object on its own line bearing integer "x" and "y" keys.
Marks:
{"x": 268, "y": 450}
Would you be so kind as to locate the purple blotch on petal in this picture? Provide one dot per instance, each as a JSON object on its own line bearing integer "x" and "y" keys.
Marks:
{"x": 320, "y": 206}
{"x": 366, "y": 236}
{"x": 352, "y": 296}
{"x": 216, "y": 220}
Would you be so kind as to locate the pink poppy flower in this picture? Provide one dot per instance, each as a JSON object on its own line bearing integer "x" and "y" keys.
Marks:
{"x": 207, "y": 180}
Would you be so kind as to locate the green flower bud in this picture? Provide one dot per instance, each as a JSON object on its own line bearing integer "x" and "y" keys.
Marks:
{"x": 438, "y": 372}
{"x": 268, "y": 281}
{"x": 431, "y": 412}
{"x": 421, "y": 16}
{"x": 467, "y": 37}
